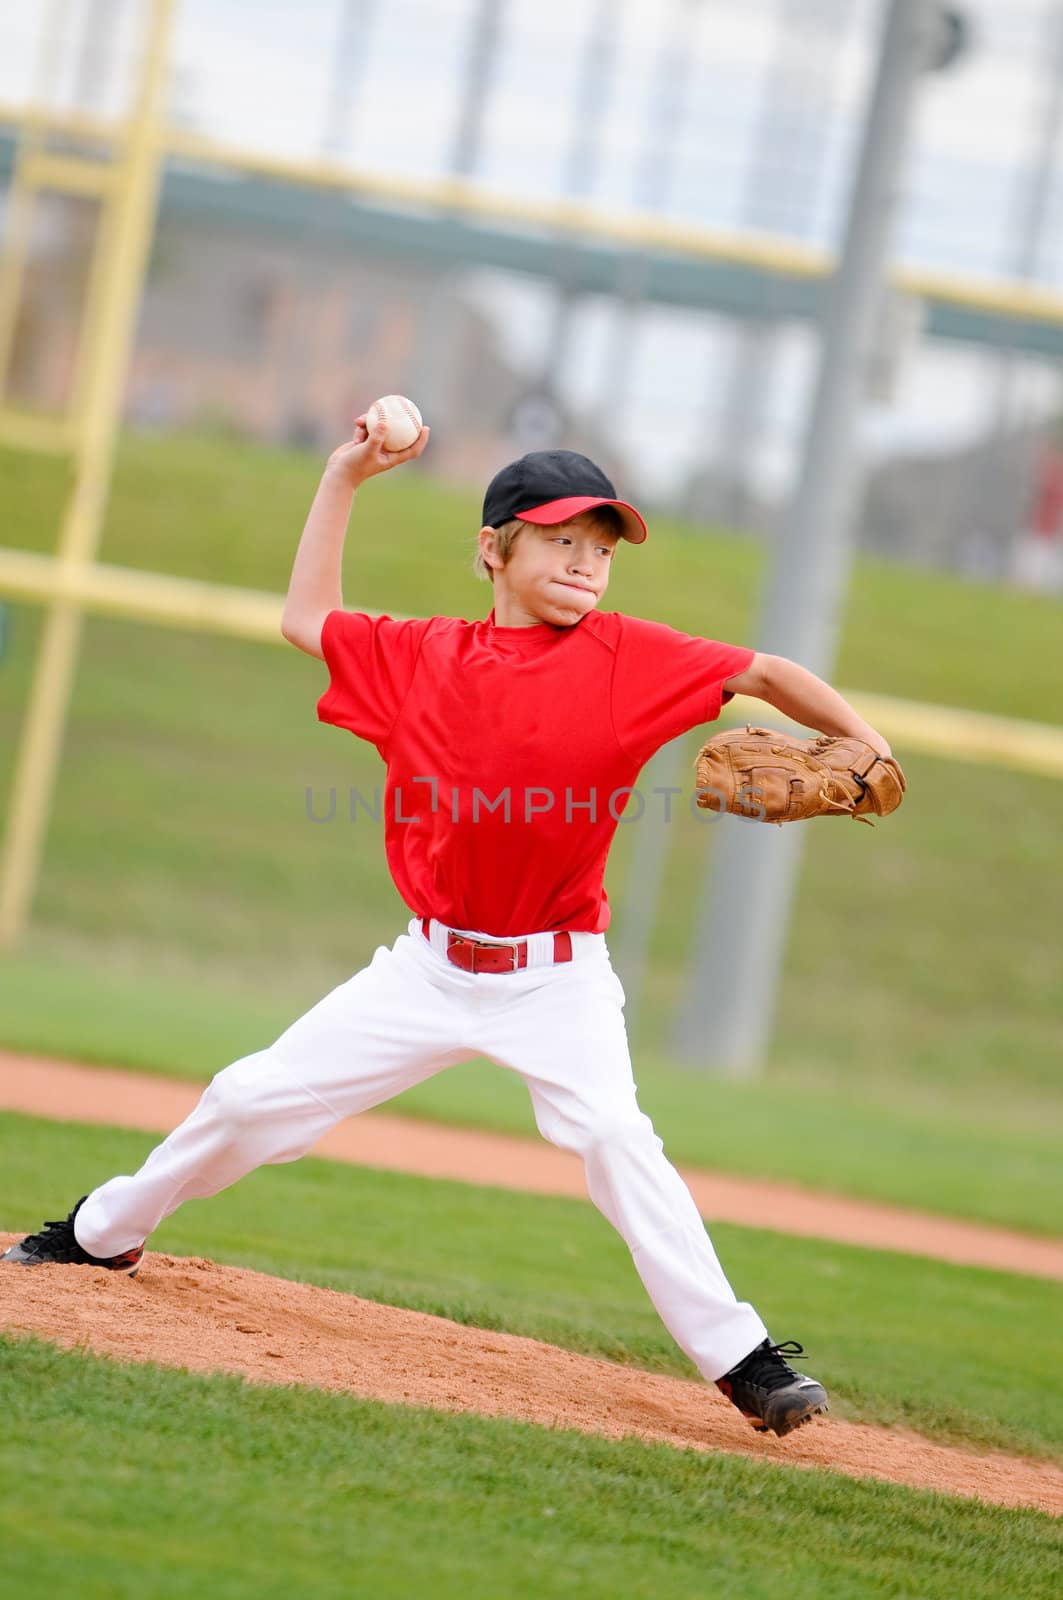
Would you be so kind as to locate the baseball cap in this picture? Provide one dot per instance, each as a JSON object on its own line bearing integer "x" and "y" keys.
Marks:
{"x": 551, "y": 486}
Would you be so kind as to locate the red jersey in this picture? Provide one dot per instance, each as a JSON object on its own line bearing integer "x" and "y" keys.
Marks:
{"x": 512, "y": 753}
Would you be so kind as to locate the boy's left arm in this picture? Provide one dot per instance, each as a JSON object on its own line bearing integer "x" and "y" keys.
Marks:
{"x": 799, "y": 694}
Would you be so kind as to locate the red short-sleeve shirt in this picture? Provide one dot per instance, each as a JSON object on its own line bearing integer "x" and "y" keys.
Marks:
{"x": 511, "y": 753}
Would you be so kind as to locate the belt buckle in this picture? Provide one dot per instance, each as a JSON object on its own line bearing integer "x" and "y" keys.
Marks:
{"x": 510, "y": 949}
{"x": 474, "y": 945}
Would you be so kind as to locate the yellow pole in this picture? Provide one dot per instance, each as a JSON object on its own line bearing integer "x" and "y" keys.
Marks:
{"x": 110, "y": 321}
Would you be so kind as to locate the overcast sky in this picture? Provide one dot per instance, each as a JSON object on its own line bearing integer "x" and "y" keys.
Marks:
{"x": 702, "y": 109}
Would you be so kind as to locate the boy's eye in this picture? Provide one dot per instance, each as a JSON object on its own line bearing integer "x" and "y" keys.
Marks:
{"x": 601, "y": 550}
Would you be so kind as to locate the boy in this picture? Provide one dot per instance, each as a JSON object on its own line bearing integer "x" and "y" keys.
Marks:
{"x": 512, "y": 745}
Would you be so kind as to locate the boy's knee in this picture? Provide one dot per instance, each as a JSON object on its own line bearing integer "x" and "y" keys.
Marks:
{"x": 631, "y": 1131}
{"x": 234, "y": 1096}
{"x": 599, "y": 1136}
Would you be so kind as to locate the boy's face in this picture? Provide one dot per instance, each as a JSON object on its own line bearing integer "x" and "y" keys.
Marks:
{"x": 553, "y": 574}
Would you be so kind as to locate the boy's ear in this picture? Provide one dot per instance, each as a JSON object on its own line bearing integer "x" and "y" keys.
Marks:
{"x": 488, "y": 553}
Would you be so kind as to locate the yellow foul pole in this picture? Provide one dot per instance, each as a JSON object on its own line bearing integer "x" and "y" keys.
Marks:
{"x": 122, "y": 244}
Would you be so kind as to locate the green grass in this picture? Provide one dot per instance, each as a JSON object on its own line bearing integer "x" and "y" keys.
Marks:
{"x": 188, "y": 910}
{"x": 959, "y": 1353}
{"x": 121, "y": 1483}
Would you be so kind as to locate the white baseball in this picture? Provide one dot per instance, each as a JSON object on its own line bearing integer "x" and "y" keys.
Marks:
{"x": 402, "y": 417}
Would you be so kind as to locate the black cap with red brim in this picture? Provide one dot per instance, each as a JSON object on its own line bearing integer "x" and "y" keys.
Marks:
{"x": 552, "y": 486}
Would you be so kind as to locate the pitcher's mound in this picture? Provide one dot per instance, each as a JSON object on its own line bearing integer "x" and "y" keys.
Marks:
{"x": 208, "y": 1318}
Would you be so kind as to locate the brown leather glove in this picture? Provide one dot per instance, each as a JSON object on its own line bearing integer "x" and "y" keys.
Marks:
{"x": 770, "y": 776}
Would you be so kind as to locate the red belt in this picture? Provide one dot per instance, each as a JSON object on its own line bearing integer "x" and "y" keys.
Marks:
{"x": 477, "y": 955}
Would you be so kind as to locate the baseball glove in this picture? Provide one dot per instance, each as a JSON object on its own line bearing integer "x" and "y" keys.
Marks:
{"x": 768, "y": 776}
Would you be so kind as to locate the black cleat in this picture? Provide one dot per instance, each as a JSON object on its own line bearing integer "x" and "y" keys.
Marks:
{"x": 771, "y": 1394}
{"x": 56, "y": 1242}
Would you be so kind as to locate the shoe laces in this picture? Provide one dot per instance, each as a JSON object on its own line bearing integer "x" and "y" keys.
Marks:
{"x": 765, "y": 1367}
{"x": 59, "y": 1232}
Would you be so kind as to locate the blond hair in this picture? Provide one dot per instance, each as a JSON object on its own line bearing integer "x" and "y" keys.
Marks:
{"x": 506, "y": 535}
{"x": 504, "y": 540}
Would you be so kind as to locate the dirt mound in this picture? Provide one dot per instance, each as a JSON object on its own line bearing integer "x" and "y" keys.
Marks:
{"x": 204, "y": 1317}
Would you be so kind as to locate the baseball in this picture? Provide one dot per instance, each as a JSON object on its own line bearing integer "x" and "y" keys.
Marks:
{"x": 402, "y": 417}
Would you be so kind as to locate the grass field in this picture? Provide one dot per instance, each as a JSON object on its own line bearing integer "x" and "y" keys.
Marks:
{"x": 188, "y": 909}
{"x": 166, "y": 1485}
{"x": 962, "y": 1354}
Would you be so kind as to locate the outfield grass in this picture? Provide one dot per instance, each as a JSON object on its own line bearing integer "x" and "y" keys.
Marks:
{"x": 959, "y": 1353}
{"x": 188, "y": 910}
{"x": 120, "y": 1483}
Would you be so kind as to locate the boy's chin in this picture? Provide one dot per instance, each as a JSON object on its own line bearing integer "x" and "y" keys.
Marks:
{"x": 567, "y": 616}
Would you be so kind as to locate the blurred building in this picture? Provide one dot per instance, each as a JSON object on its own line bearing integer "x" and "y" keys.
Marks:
{"x": 932, "y": 511}
{"x": 283, "y": 335}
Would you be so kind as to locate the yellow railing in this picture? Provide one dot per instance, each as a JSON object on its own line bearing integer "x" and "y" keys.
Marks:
{"x": 126, "y": 185}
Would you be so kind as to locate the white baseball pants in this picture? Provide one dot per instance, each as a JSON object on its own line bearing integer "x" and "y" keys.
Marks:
{"x": 402, "y": 1019}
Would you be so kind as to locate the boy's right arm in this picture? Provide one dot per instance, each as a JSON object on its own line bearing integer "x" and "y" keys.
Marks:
{"x": 315, "y": 586}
